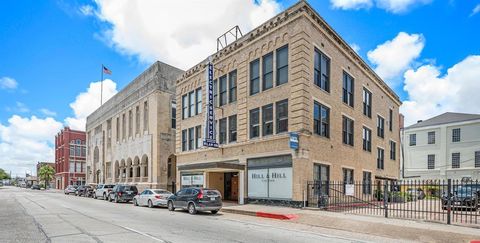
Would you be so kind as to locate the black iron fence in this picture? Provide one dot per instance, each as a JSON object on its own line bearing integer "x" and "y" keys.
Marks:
{"x": 448, "y": 201}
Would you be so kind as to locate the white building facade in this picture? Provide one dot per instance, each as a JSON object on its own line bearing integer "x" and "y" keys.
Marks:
{"x": 443, "y": 147}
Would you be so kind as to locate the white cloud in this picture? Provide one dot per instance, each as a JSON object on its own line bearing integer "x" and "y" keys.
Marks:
{"x": 18, "y": 108}
{"x": 181, "y": 32}
{"x": 87, "y": 102}
{"x": 393, "y": 6}
{"x": 395, "y": 56}
{"x": 355, "y": 47}
{"x": 431, "y": 94}
{"x": 87, "y": 10}
{"x": 8, "y": 83}
{"x": 351, "y": 4}
{"x": 475, "y": 10}
{"x": 48, "y": 112}
{"x": 25, "y": 141}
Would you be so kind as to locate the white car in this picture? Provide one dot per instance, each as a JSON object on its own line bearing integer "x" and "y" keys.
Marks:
{"x": 152, "y": 198}
{"x": 102, "y": 191}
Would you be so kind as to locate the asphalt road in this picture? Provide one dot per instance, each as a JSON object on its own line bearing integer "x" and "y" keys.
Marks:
{"x": 45, "y": 216}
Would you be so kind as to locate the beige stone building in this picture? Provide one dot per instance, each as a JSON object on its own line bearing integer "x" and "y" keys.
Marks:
{"x": 131, "y": 137}
{"x": 293, "y": 74}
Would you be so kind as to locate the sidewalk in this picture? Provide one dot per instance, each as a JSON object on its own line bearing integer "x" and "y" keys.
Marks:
{"x": 408, "y": 230}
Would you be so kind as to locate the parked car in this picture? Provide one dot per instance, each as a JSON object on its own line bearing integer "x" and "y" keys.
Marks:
{"x": 102, "y": 191}
{"x": 122, "y": 193}
{"x": 70, "y": 189}
{"x": 196, "y": 199}
{"x": 35, "y": 187}
{"x": 90, "y": 191}
{"x": 466, "y": 197}
{"x": 82, "y": 190}
{"x": 416, "y": 193}
{"x": 152, "y": 198}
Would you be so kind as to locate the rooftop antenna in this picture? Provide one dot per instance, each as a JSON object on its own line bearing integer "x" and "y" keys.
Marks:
{"x": 223, "y": 40}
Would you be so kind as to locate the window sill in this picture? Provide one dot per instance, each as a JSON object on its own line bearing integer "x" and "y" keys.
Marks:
{"x": 320, "y": 88}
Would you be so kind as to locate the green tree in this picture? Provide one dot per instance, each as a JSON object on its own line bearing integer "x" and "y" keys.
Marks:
{"x": 4, "y": 175}
{"x": 46, "y": 174}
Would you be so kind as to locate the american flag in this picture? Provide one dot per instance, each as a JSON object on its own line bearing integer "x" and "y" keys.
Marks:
{"x": 106, "y": 70}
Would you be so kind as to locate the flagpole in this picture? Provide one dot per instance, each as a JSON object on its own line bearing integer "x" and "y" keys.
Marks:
{"x": 101, "y": 87}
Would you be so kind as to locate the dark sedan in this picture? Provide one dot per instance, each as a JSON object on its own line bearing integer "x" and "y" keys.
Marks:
{"x": 83, "y": 190}
{"x": 122, "y": 193}
{"x": 466, "y": 197}
{"x": 196, "y": 199}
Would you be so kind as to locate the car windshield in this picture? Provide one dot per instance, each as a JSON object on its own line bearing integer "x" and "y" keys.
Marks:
{"x": 465, "y": 191}
{"x": 130, "y": 188}
{"x": 211, "y": 192}
{"x": 161, "y": 192}
{"x": 108, "y": 186}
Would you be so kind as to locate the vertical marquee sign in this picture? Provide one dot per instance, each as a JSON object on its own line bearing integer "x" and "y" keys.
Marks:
{"x": 209, "y": 134}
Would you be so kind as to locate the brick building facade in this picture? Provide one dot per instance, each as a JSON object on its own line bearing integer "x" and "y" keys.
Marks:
{"x": 70, "y": 154}
{"x": 293, "y": 73}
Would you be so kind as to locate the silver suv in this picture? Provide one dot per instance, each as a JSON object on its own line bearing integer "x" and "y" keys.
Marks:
{"x": 102, "y": 191}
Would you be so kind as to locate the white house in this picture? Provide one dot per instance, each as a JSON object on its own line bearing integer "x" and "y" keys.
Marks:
{"x": 443, "y": 147}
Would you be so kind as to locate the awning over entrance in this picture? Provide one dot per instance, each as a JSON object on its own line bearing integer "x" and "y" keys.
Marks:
{"x": 230, "y": 165}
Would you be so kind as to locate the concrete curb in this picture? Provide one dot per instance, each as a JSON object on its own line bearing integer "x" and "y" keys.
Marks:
{"x": 261, "y": 214}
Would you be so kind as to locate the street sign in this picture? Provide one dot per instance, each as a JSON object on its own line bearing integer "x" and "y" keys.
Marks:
{"x": 209, "y": 138}
{"x": 294, "y": 140}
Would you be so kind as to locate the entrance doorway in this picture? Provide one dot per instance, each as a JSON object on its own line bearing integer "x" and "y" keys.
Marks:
{"x": 230, "y": 186}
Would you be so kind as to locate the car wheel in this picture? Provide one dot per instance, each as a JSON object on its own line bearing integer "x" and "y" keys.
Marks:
{"x": 170, "y": 206}
{"x": 105, "y": 196}
{"x": 214, "y": 211}
{"x": 150, "y": 204}
{"x": 116, "y": 199}
{"x": 192, "y": 209}
{"x": 135, "y": 202}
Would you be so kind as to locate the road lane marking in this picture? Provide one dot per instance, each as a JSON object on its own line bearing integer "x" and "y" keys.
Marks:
{"x": 144, "y": 234}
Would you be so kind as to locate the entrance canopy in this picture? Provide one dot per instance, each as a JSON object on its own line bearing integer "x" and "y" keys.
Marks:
{"x": 211, "y": 166}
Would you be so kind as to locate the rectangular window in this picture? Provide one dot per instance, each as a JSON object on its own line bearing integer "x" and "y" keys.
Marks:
{"x": 78, "y": 167}
{"x": 130, "y": 123}
{"x": 124, "y": 126}
{"x": 348, "y": 87}
{"x": 72, "y": 151}
{"x": 347, "y": 177}
{"x": 145, "y": 116}
{"x": 191, "y": 104}
{"x": 232, "y": 128}
{"x": 321, "y": 120}
{"x": 455, "y": 160}
{"x": 72, "y": 167}
{"x": 254, "y": 123}
{"x": 393, "y": 150}
{"x": 367, "y": 139}
{"x": 380, "y": 159}
{"x": 413, "y": 139}
{"x": 431, "y": 137}
{"x": 322, "y": 70}
{"x": 191, "y": 138}
{"x": 431, "y": 161}
{"x": 118, "y": 129}
{"x": 222, "y": 127}
{"x": 215, "y": 93}
{"x": 367, "y": 183}
{"x": 267, "y": 68}
{"x": 232, "y": 85}
{"x": 137, "y": 120}
{"x": 456, "y": 135}
{"x": 321, "y": 175}
{"x": 477, "y": 159}
{"x": 254, "y": 77}
{"x": 223, "y": 90}
{"x": 347, "y": 131}
{"x": 390, "y": 120}
{"x": 267, "y": 119}
{"x": 367, "y": 103}
{"x": 198, "y": 137}
{"x": 282, "y": 65}
{"x": 184, "y": 140}
{"x": 281, "y": 111}
{"x": 198, "y": 97}
{"x": 184, "y": 107}
{"x": 174, "y": 115}
{"x": 380, "y": 127}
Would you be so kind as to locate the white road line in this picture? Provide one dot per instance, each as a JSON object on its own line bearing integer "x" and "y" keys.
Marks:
{"x": 144, "y": 234}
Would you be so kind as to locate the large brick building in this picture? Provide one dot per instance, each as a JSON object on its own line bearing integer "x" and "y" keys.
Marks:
{"x": 131, "y": 137}
{"x": 70, "y": 153}
{"x": 293, "y": 74}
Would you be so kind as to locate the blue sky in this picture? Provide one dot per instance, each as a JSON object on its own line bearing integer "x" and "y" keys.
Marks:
{"x": 53, "y": 50}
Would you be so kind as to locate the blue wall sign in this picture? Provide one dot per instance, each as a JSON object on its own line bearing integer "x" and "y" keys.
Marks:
{"x": 294, "y": 140}
{"x": 210, "y": 135}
